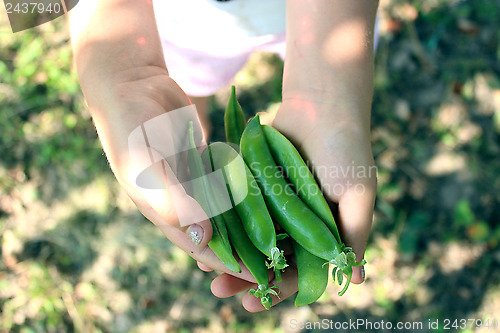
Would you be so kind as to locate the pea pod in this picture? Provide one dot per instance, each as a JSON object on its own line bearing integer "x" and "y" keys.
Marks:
{"x": 201, "y": 190}
{"x": 234, "y": 119}
{"x": 298, "y": 173}
{"x": 312, "y": 276}
{"x": 251, "y": 257}
{"x": 312, "y": 270}
{"x": 284, "y": 205}
{"x": 303, "y": 225}
{"x": 249, "y": 203}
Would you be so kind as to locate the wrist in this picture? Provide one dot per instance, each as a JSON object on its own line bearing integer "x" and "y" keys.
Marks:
{"x": 147, "y": 87}
{"x": 299, "y": 119}
{"x": 316, "y": 108}
{"x": 329, "y": 57}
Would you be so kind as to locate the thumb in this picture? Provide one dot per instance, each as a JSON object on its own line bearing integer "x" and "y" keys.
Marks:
{"x": 267, "y": 117}
{"x": 355, "y": 220}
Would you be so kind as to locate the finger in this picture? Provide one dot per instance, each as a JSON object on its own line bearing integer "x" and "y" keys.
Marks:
{"x": 204, "y": 267}
{"x": 226, "y": 285}
{"x": 359, "y": 273}
{"x": 355, "y": 220}
{"x": 202, "y": 254}
{"x": 196, "y": 234}
{"x": 288, "y": 286}
{"x": 200, "y": 233}
{"x": 267, "y": 117}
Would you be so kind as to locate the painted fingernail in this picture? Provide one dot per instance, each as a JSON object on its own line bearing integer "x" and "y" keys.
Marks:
{"x": 195, "y": 232}
{"x": 363, "y": 272}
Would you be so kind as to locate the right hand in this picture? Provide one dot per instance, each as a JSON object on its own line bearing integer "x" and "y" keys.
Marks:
{"x": 136, "y": 97}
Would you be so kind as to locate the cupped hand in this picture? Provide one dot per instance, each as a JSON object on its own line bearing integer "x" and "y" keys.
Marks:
{"x": 335, "y": 141}
{"x": 143, "y": 127}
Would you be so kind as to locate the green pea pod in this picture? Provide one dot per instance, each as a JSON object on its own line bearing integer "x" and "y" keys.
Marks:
{"x": 234, "y": 119}
{"x": 312, "y": 270}
{"x": 297, "y": 171}
{"x": 302, "y": 224}
{"x": 284, "y": 205}
{"x": 251, "y": 257}
{"x": 249, "y": 203}
{"x": 312, "y": 274}
{"x": 220, "y": 242}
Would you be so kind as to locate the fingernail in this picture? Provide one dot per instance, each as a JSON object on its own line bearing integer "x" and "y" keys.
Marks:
{"x": 363, "y": 273}
{"x": 195, "y": 232}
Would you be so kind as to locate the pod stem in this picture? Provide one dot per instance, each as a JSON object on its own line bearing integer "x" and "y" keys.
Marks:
{"x": 264, "y": 293}
{"x": 277, "y": 275}
{"x": 278, "y": 262}
{"x": 349, "y": 276}
{"x": 344, "y": 262}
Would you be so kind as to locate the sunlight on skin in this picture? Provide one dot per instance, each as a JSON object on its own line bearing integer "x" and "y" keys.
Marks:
{"x": 305, "y": 23}
{"x": 304, "y": 106}
{"x": 79, "y": 22}
{"x": 141, "y": 41}
{"x": 306, "y": 37}
{"x": 348, "y": 47}
{"x": 333, "y": 67}
{"x": 204, "y": 267}
{"x": 309, "y": 110}
{"x": 92, "y": 25}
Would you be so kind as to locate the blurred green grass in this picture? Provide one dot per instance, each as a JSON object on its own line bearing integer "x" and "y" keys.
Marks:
{"x": 77, "y": 256}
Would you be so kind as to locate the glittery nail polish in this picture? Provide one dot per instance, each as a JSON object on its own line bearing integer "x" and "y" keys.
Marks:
{"x": 195, "y": 232}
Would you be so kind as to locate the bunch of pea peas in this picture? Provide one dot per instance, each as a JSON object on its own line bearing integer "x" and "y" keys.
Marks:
{"x": 255, "y": 162}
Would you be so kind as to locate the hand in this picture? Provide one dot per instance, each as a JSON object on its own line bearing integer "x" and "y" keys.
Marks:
{"x": 125, "y": 81}
{"x": 338, "y": 147}
{"x": 140, "y": 127}
{"x": 340, "y": 153}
